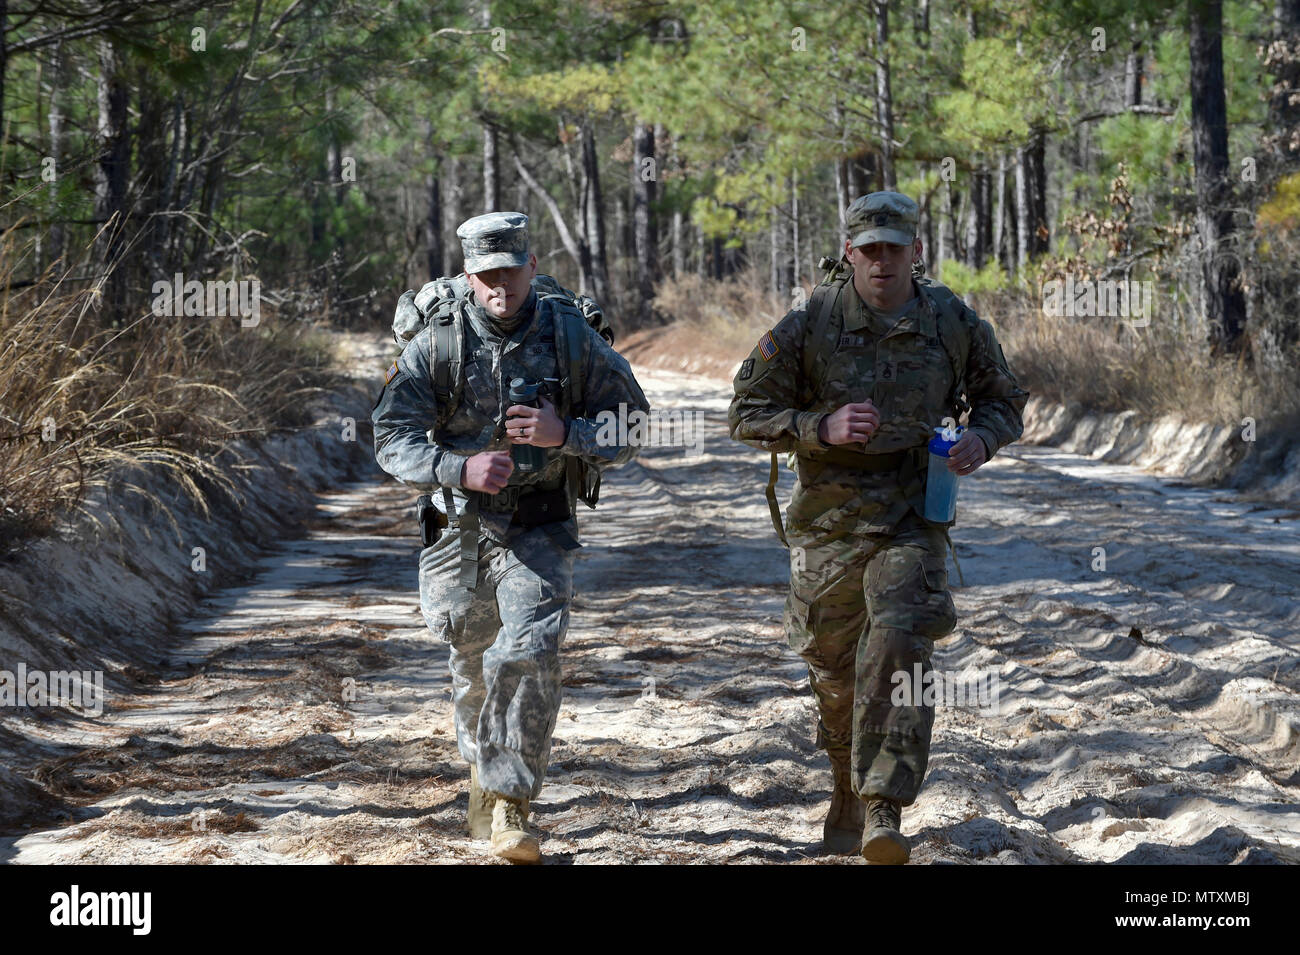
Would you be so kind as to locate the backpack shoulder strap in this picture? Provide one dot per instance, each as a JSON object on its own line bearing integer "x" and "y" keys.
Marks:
{"x": 447, "y": 362}
{"x": 570, "y": 333}
{"x": 821, "y": 309}
{"x": 954, "y": 336}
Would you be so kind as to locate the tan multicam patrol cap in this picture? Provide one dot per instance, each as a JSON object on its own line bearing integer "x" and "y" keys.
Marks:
{"x": 497, "y": 240}
{"x": 882, "y": 217}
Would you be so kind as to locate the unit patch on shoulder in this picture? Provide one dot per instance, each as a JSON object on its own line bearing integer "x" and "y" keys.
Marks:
{"x": 746, "y": 369}
{"x": 391, "y": 373}
{"x": 767, "y": 347}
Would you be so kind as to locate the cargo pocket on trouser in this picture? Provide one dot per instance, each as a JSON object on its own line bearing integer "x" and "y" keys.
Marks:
{"x": 824, "y": 632}
{"x": 909, "y": 607}
{"x": 444, "y": 604}
{"x": 940, "y": 617}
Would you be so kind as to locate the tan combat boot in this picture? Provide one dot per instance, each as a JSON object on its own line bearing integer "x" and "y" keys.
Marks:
{"x": 882, "y": 841}
{"x": 511, "y": 837}
{"x": 480, "y": 808}
{"x": 842, "y": 833}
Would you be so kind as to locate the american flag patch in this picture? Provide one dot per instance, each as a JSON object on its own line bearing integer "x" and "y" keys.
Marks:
{"x": 391, "y": 373}
{"x": 767, "y": 347}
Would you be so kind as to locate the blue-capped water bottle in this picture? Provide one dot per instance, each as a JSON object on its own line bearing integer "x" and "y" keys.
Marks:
{"x": 940, "y": 483}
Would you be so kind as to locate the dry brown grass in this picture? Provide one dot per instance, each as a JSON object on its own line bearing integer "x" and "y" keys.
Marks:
{"x": 731, "y": 312}
{"x": 1105, "y": 365}
{"x": 83, "y": 406}
{"x": 713, "y": 325}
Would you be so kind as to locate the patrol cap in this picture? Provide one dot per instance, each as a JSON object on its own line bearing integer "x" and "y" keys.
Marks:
{"x": 497, "y": 240}
{"x": 882, "y": 217}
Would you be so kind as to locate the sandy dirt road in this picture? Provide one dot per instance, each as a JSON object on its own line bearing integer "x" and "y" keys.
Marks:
{"x": 1147, "y": 712}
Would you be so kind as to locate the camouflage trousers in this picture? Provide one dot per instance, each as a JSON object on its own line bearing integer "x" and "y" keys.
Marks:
{"x": 862, "y": 609}
{"x": 505, "y": 639}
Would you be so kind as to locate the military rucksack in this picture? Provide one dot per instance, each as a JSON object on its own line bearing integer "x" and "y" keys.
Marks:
{"x": 954, "y": 338}
{"x": 441, "y": 303}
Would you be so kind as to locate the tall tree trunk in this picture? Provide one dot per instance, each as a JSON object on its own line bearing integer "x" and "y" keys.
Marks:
{"x": 921, "y": 23}
{"x": 679, "y": 244}
{"x": 4, "y": 60}
{"x": 1031, "y": 198}
{"x": 884, "y": 99}
{"x": 1022, "y": 208}
{"x": 333, "y": 152}
{"x": 734, "y": 259}
{"x": 453, "y": 209}
{"x": 623, "y": 241}
{"x": 944, "y": 249}
{"x": 796, "y": 261}
{"x": 1040, "y": 239}
{"x": 842, "y": 196}
{"x": 1000, "y": 214}
{"x": 595, "y": 215}
{"x": 645, "y": 231}
{"x": 978, "y": 219}
{"x": 435, "y": 254}
{"x": 491, "y": 170}
{"x": 111, "y": 176}
{"x": 491, "y": 150}
{"x": 58, "y": 74}
{"x": 581, "y": 199}
{"x": 1133, "y": 71}
{"x": 1225, "y": 304}
{"x": 774, "y": 253}
{"x": 924, "y": 224}
{"x": 857, "y": 180}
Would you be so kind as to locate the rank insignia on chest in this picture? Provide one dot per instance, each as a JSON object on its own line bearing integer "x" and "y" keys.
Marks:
{"x": 746, "y": 369}
{"x": 767, "y": 347}
{"x": 885, "y": 371}
{"x": 391, "y": 373}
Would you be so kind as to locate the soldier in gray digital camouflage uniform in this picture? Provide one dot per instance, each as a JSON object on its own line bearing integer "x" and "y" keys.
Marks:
{"x": 497, "y": 585}
{"x": 854, "y": 385}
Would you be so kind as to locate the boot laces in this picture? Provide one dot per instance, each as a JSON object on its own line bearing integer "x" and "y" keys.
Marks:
{"x": 884, "y": 814}
{"x": 512, "y": 815}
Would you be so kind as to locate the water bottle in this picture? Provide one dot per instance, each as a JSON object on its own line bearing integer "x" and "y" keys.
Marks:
{"x": 527, "y": 457}
{"x": 940, "y": 483}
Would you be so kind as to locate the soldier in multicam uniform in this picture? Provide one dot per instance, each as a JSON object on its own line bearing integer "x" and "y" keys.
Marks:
{"x": 868, "y": 585}
{"x": 497, "y": 586}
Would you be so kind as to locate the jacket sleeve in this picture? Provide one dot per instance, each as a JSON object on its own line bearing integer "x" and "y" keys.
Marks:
{"x": 612, "y": 393}
{"x": 997, "y": 401}
{"x": 766, "y": 409}
{"x": 404, "y": 414}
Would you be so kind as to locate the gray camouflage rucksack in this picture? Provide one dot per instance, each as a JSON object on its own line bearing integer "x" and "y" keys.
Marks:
{"x": 440, "y": 304}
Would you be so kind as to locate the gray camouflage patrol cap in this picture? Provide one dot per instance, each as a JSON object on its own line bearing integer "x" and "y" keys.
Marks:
{"x": 882, "y": 217}
{"x": 497, "y": 240}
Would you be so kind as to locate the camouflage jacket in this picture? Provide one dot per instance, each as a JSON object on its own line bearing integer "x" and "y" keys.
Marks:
{"x": 405, "y": 415}
{"x": 905, "y": 371}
